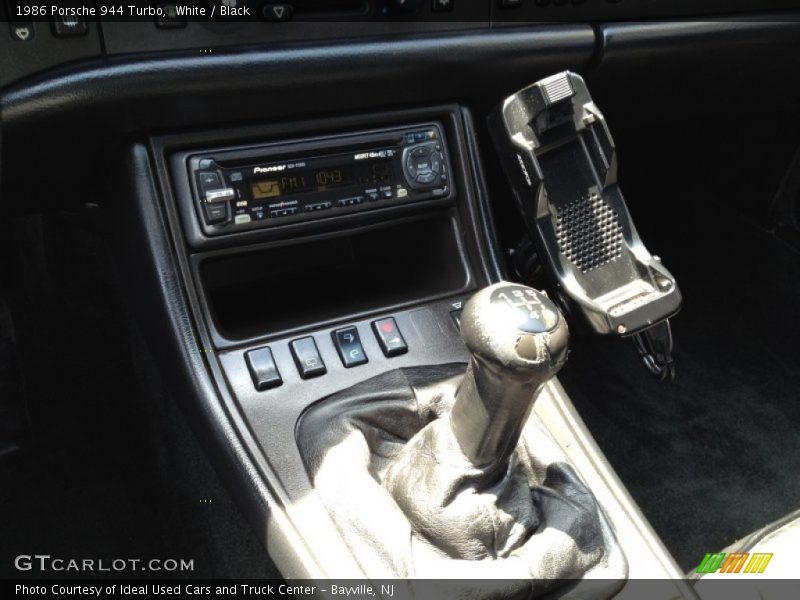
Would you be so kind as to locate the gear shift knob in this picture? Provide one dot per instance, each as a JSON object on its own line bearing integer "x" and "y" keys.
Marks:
{"x": 518, "y": 340}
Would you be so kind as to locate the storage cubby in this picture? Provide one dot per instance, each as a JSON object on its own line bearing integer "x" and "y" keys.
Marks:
{"x": 299, "y": 284}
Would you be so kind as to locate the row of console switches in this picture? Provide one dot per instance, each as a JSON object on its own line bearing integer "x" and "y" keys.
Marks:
{"x": 308, "y": 360}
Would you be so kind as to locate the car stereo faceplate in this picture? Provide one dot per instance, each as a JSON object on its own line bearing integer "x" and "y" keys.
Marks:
{"x": 236, "y": 189}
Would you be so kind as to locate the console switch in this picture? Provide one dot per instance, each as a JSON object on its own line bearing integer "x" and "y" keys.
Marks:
{"x": 307, "y": 358}
{"x": 389, "y": 337}
{"x": 348, "y": 345}
{"x": 262, "y": 369}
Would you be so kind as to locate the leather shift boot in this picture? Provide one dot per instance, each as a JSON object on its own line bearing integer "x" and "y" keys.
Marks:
{"x": 410, "y": 504}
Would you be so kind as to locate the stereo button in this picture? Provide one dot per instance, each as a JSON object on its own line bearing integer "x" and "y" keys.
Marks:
{"x": 209, "y": 180}
{"x": 221, "y": 195}
{"x": 317, "y": 206}
{"x": 283, "y": 212}
{"x": 350, "y": 201}
{"x": 215, "y": 213}
{"x": 436, "y": 162}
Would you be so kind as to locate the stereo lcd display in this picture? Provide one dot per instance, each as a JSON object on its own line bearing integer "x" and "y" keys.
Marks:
{"x": 266, "y": 188}
{"x": 319, "y": 180}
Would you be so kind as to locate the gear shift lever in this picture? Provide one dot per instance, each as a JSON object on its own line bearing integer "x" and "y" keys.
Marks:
{"x": 518, "y": 340}
{"x": 445, "y": 475}
{"x": 459, "y": 479}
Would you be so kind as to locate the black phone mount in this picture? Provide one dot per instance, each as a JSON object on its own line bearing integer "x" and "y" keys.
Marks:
{"x": 560, "y": 159}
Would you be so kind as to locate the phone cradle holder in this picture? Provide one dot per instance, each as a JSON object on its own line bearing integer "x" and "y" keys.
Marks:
{"x": 560, "y": 159}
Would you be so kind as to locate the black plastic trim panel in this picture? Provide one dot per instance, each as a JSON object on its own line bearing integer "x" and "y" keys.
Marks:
{"x": 181, "y": 91}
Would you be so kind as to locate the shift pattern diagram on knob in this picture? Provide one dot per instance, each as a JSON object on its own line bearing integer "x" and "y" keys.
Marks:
{"x": 537, "y": 314}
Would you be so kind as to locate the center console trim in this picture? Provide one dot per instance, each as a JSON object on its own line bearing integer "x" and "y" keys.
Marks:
{"x": 285, "y": 521}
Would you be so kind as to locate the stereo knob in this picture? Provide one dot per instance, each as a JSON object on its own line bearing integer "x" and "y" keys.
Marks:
{"x": 423, "y": 165}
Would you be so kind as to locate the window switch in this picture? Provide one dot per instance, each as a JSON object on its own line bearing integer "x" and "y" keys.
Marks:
{"x": 348, "y": 345}
{"x": 263, "y": 369}
{"x": 389, "y": 337}
{"x": 307, "y": 358}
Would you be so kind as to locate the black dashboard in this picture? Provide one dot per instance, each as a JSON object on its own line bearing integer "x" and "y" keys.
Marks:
{"x": 42, "y": 37}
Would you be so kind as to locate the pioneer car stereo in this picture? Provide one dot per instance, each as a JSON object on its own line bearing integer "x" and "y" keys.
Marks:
{"x": 236, "y": 189}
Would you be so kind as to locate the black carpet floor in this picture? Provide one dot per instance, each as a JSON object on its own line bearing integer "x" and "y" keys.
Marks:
{"x": 715, "y": 454}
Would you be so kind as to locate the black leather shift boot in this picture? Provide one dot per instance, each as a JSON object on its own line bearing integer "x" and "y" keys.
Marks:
{"x": 409, "y": 503}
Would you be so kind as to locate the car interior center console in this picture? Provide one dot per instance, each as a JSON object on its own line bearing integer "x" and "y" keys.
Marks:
{"x": 332, "y": 268}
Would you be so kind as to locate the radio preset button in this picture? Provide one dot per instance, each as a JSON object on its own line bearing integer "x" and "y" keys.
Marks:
{"x": 350, "y": 201}
{"x": 283, "y": 212}
{"x": 242, "y": 219}
{"x": 317, "y": 206}
{"x": 387, "y": 192}
{"x": 372, "y": 195}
